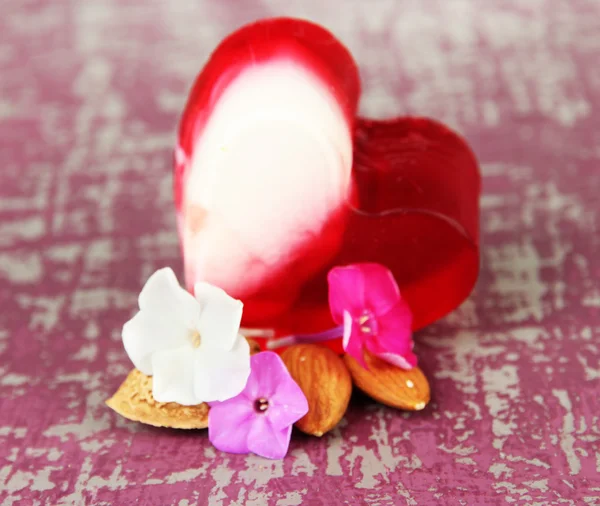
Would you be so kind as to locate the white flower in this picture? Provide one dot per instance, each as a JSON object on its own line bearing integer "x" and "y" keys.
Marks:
{"x": 190, "y": 346}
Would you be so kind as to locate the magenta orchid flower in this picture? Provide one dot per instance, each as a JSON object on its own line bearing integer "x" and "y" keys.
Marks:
{"x": 260, "y": 418}
{"x": 366, "y": 300}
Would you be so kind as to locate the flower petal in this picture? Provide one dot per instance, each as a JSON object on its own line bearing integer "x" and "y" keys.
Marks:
{"x": 395, "y": 329}
{"x": 235, "y": 426}
{"x": 268, "y": 374}
{"x": 173, "y": 379}
{"x": 220, "y": 374}
{"x": 287, "y": 406}
{"x": 229, "y": 424}
{"x": 220, "y": 316}
{"x": 268, "y": 442}
{"x": 348, "y": 329}
{"x": 271, "y": 380}
{"x": 148, "y": 332}
{"x": 407, "y": 361}
{"x": 346, "y": 292}
{"x": 381, "y": 291}
{"x": 167, "y": 313}
{"x": 163, "y": 295}
{"x": 393, "y": 342}
{"x": 353, "y": 343}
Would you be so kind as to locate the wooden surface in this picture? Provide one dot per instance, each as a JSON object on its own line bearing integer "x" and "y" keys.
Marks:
{"x": 90, "y": 93}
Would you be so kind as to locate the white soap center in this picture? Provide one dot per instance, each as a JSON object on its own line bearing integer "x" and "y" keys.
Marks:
{"x": 270, "y": 167}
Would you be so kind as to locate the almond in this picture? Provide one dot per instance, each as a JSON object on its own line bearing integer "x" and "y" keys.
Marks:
{"x": 134, "y": 401}
{"x": 326, "y": 383}
{"x": 254, "y": 346}
{"x": 388, "y": 384}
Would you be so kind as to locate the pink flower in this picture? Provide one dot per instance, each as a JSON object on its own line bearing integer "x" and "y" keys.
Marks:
{"x": 260, "y": 418}
{"x": 366, "y": 300}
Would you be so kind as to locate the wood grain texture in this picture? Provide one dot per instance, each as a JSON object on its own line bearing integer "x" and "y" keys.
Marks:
{"x": 90, "y": 94}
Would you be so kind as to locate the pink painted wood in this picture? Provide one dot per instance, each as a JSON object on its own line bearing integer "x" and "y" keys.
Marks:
{"x": 90, "y": 94}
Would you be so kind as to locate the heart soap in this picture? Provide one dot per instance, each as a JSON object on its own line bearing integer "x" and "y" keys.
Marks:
{"x": 277, "y": 180}
{"x": 415, "y": 209}
{"x": 264, "y": 162}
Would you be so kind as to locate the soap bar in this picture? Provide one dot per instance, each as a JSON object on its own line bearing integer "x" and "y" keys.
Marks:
{"x": 263, "y": 166}
{"x": 415, "y": 210}
{"x": 277, "y": 180}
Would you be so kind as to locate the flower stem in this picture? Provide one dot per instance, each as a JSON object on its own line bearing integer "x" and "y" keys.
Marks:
{"x": 318, "y": 337}
{"x": 264, "y": 333}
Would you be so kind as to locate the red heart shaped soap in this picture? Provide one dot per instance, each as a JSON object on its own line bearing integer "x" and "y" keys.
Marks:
{"x": 276, "y": 181}
{"x": 416, "y": 210}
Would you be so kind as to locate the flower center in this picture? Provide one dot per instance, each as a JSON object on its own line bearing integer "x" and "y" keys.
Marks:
{"x": 195, "y": 338}
{"x": 261, "y": 405}
{"x": 367, "y": 323}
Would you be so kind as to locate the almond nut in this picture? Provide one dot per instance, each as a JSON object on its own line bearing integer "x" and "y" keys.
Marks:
{"x": 134, "y": 401}
{"x": 388, "y": 384}
{"x": 254, "y": 346}
{"x": 326, "y": 383}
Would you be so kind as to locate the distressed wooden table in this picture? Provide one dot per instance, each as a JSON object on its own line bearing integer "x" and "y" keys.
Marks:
{"x": 89, "y": 98}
